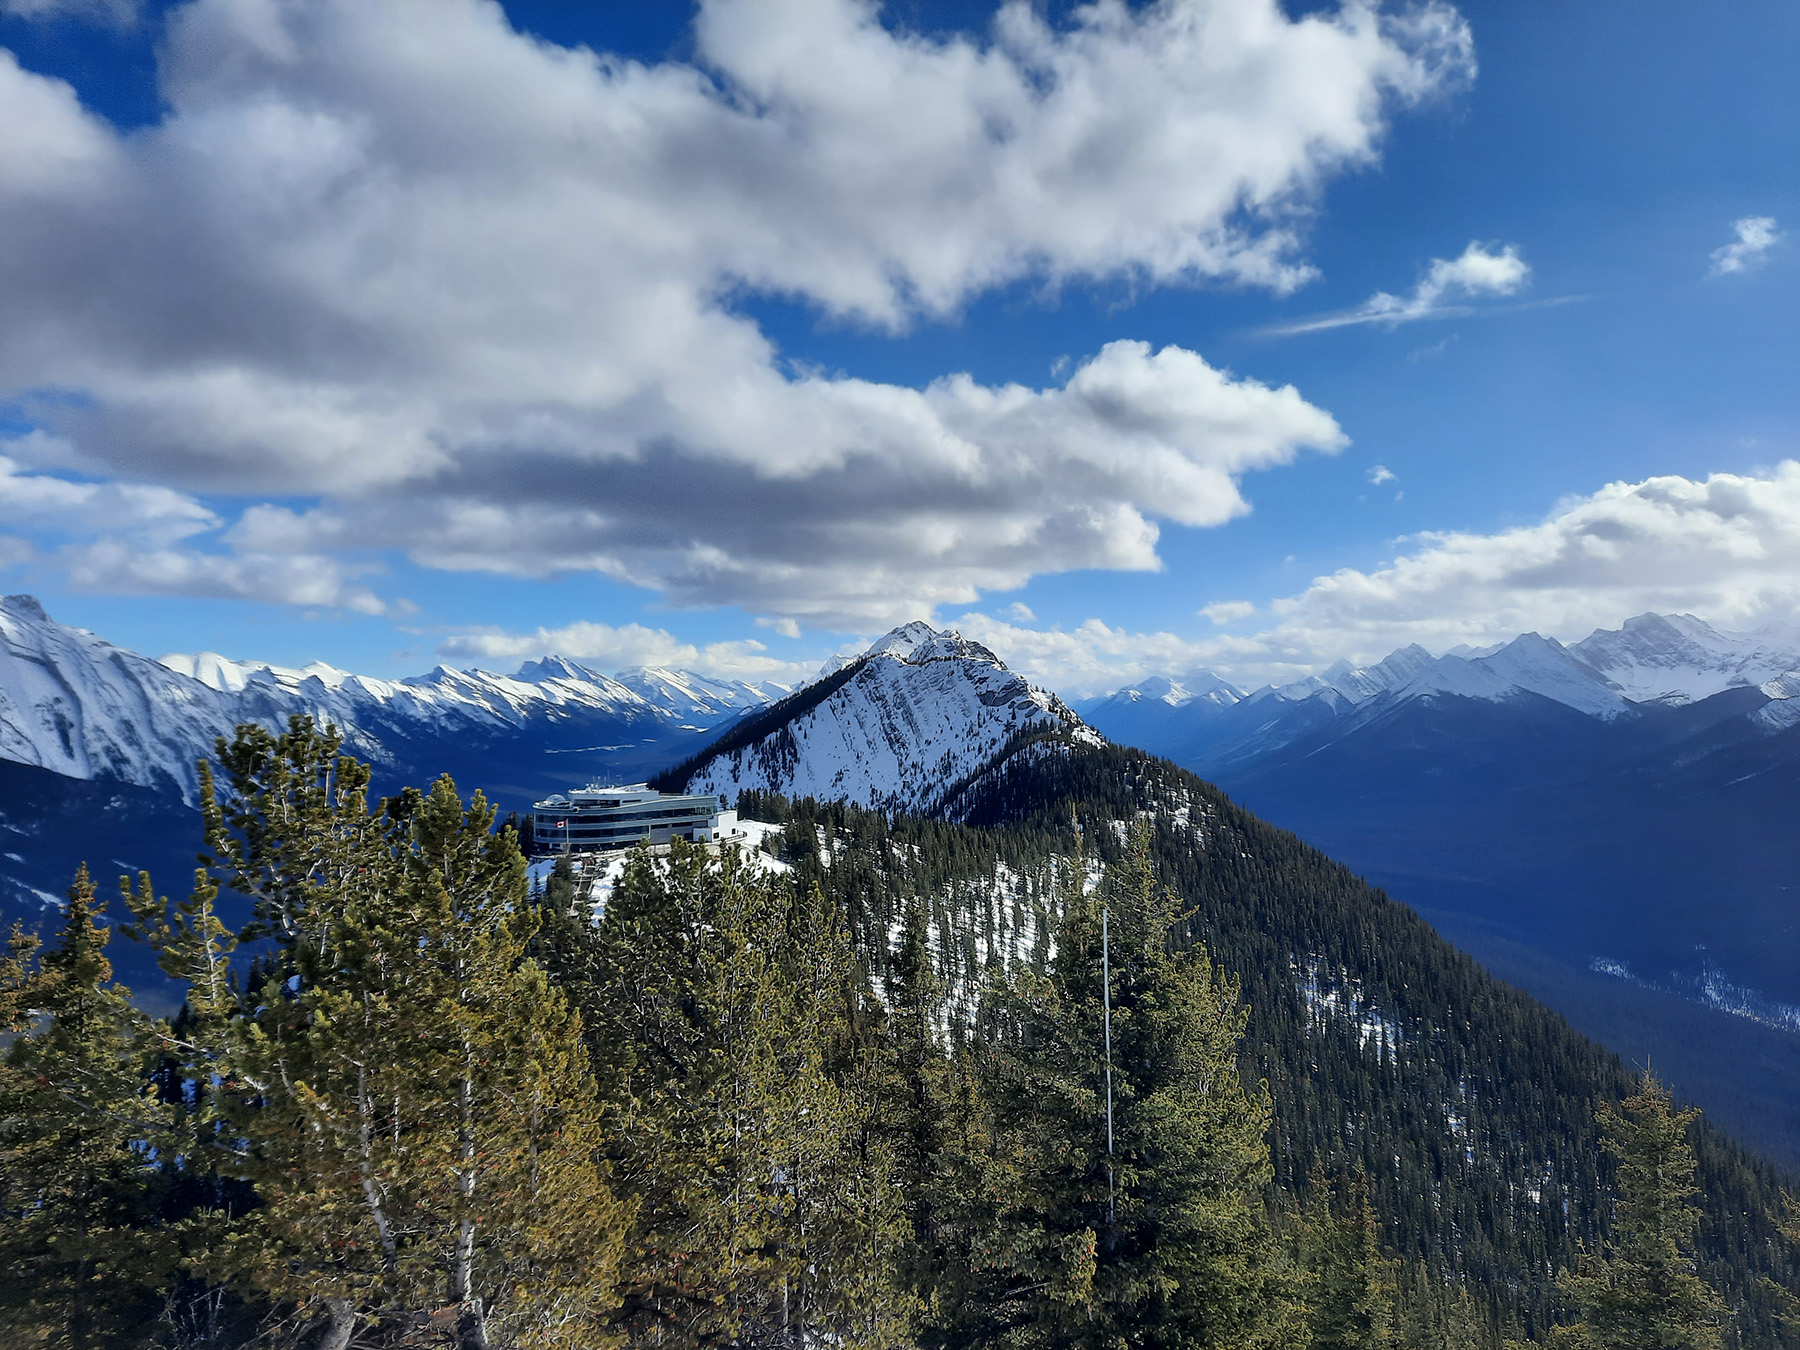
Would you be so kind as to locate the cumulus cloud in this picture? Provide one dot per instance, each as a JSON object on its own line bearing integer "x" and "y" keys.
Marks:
{"x": 619, "y": 648}
{"x": 312, "y": 581}
{"x": 470, "y": 293}
{"x": 1478, "y": 273}
{"x": 1227, "y": 611}
{"x": 1756, "y": 235}
{"x": 1381, "y": 474}
{"x": 149, "y": 540}
{"x": 46, "y": 502}
{"x": 1725, "y": 547}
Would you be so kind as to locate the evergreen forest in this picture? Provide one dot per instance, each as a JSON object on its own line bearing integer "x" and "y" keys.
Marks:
{"x": 1096, "y": 1060}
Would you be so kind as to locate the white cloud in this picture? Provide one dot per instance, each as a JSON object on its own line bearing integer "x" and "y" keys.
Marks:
{"x": 1227, "y": 611}
{"x": 1756, "y": 235}
{"x": 1092, "y": 658}
{"x": 1020, "y": 612}
{"x": 964, "y": 488}
{"x": 788, "y": 628}
{"x": 45, "y": 502}
{"x": 1726, "y": 547}
{"x": 114, "y": 13}
{"x": 620, "y": 648}
{"x": 307, "y": 580}
{"x": 1381, "y": 474}
{"x": 1479, "y": 272}
{"x": 470, "y": 292}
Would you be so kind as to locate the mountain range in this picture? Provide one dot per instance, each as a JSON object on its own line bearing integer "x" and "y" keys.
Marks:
{"x": 1652, "y": 663}
{"x": 1607, "y": 823}
{"x": 74, "y": 704}
{"x": 100, "y": 743}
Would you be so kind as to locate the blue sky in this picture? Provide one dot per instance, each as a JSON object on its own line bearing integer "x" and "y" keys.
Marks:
{"x": 711, "y": 454}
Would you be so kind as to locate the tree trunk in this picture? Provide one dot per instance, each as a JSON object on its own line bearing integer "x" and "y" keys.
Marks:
{"x": 471, "y": 1327}
{"x": 342, "y": 1326}
{"x": 471, "y": 1323}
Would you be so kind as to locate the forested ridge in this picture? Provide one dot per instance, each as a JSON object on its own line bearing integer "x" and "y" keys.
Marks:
{"x": 1105, "y": 1063}
{"x": 1469, "y": 1107}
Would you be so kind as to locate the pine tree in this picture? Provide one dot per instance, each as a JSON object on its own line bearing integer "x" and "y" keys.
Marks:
{"x": 79, "y": 1126}
{"x": 1160, "y": 1239}
{"x": 916, "y": 1100}
{"x": 1643, "y": 1293}
{"x": 727, "y": 1018}
{"x": 1351, "y": 1289}
{"x": 205, "y": 1199}
{"x": 420, "y": 1119}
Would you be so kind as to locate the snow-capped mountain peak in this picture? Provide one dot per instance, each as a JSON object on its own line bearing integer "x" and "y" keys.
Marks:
{"x": 1677, "y": 658}
{"x": 73, "y": 703}
{"x": 1529, "y": 664}
{"x": 918, "y": 642}
{"x": 917, "y": 715}
{"x": 553, "y": 668}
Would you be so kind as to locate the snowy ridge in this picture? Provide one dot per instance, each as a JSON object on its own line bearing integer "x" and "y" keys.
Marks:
{"x": 1676, "y": 658}
{"x": 922, "y": 712}
{"x": 75, "y": 704}
{"x": 1653, "y": 658}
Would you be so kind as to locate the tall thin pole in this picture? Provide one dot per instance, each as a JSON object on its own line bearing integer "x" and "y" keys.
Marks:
{"x": 1106, "y": 997}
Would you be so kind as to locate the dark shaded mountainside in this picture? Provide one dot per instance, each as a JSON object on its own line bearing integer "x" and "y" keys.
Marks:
{"x": 1642, "y": 876}
{"x": 1468, "y": 1104}
{"x": 1608, "y": 824}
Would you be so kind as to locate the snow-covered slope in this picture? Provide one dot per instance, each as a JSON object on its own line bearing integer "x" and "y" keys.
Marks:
{"x": 75, "y": 704}
{"x": 698, "y": 697}
{"x": 919, "y": 713}
{"x": 1613, "y": 674}
{"x": 1676, "y": 658}
{"x": 1529, "y": 664}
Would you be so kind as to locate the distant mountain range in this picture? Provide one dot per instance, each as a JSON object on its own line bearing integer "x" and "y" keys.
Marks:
{"x": 1611, "y": 824}
{"x": 74, "y": 704}
{"x": 1654, "y": 662}
{"x": 98, "y": 744}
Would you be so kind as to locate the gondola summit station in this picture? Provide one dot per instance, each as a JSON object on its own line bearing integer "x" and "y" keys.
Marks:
{"x": 598, "y": 819}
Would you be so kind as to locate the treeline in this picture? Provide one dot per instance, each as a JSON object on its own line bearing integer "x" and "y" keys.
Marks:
{"x": 417, "y": 1102}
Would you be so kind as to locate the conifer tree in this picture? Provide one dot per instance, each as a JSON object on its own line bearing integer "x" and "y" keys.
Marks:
{"x": 741, "y": 1116}
{"x": 1643, "y": 1293}
{"x": 78, "y": 1129}
{"x": 205, "y": 1197}
{"x": 420, "y": 1119}
{"x": 1350, "y": 1287}
{"x": 1161, "y": 1240}
{"x": 917, "y": 1105}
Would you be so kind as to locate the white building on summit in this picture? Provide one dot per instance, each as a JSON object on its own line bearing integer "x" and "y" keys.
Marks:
{"x": 595, "y": 819}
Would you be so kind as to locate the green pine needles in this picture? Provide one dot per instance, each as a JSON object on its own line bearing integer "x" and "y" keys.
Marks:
{"x": 413, "y": 1101}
